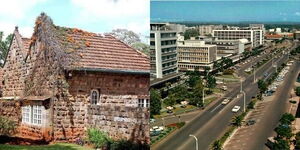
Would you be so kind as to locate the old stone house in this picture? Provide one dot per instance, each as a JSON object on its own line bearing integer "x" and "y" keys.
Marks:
{"x": 63, "y": 81}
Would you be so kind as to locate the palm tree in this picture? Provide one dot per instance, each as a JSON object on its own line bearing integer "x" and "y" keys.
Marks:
{"x": 217, "y": 145}
{"x": 237, "y": 121}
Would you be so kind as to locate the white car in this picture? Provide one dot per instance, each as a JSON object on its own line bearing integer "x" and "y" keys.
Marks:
{"x": 225, "y": 101}
{"x": 236, "y": 108}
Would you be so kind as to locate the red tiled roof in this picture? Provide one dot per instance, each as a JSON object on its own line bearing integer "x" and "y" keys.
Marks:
{"x": 107, "y": 52}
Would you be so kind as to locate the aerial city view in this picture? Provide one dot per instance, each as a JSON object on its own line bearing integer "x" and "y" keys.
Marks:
{"x": 224, "y": 75}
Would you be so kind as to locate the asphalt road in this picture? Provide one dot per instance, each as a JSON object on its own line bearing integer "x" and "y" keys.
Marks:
{"x": 274, "y": 112}
{"x": 212, "y": 123}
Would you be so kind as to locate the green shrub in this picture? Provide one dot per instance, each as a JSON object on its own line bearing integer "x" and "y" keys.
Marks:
{"x": 128, "y": 145}
{"x": 228, "y": 72}
{"x": 98, "y": 138}
{"x": 180, "y": 124}
{"x": 7, "y": 127}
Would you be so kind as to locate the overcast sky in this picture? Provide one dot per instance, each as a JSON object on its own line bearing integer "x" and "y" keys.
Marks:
{"x": 92, "y": 15}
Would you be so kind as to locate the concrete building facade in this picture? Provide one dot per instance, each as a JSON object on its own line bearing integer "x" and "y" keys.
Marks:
{"x": 255, "y": 36}
{"x": 163, "y": 53}
{"x": 208, "y": 29}
{"x": 196, "y": 55}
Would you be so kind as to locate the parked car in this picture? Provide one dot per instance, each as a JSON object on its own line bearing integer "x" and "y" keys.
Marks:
{"x": 225, "y": 101}
{"x": 250, "y": 122}
{"x": 236, "y": 108}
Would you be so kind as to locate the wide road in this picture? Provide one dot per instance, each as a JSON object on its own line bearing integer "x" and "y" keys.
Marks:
{"x": 274, "y": 112}
{"x": 213, "y": 122}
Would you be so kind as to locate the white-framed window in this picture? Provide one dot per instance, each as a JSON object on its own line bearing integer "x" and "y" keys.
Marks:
{"x": 95, "y": 96}
{"x": 37, "y": 115}
{"x": 144, "y": 103}
{"x": 26, "y": 114}
{"x": 32, "y": 114}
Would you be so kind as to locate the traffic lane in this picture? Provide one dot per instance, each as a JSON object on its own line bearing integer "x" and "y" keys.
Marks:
{"x": 180, "y": 137}
{"x": 216, "y": 126}
{"x": 270, "y": 122}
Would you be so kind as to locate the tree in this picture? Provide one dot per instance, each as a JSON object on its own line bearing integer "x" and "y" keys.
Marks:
{"x": 237, "y": 121}
{"x": 142, "y": 47}
{"x": 155, "y": 102}
{"x": 190, "y": 33}
{"x": 262, "y": 86}
{"x": 284, "y": 132}
{"x": 281, "y": 144}
{"x": 180, "y": 92}
{"x": 217, "y": 145}
{"x": 170, "y": 100}
{"x": 287, "y": 119}
{"x": 127, "y": 36}
{"x": 197, "y": 94}
{"x": 206, "y": 71}
{"x": 211, "y": 82}
{"x": 4, "y": 46}
{"x": 193, "y": 79}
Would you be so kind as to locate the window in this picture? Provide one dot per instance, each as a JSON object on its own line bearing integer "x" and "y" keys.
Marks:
{"x": 144, "y": 103}
{"x": 26, "y": 112}
{"x": 37, "y": 114}
{"x": 32, "y": 114}
{"x": 95, "y": 97}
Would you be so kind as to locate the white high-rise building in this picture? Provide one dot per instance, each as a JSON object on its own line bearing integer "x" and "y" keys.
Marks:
{"x": 163, "y": 53}
{"x": 255, "y": 36}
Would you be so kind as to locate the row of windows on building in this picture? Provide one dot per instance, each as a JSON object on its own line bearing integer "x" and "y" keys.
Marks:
{"x": 169, "y": 71}
{"x": 169, "y": 42}
{"x": 168, "y": 64}
{"x": 167, "y": 35}
{"x": 32, "y": 114}
{"x": 166, "y": 50}
{"x": 192, "y": 54}
{"x": 193, "y": 59}
{"x": 169, "y": 57}
{"x": 193, "y": 67}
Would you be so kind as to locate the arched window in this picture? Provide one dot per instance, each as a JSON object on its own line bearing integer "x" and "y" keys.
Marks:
{"x": 95, "y": 97}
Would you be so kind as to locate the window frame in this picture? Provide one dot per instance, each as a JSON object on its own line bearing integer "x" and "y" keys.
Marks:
{"x": 33, "y": 115}
{"x": 97, "y": 98}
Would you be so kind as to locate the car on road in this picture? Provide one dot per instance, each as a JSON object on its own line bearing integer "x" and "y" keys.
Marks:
{"x": 152, "y": 120}
{"x": 236, "y": 108}
{"x": 225, "y": 101}
{"x": 250, "y": 122}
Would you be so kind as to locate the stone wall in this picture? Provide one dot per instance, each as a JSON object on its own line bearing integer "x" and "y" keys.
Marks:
{"x": 118, "y": 112}
{"x": 11, "y": 109}
{"x": 14, "y": 70}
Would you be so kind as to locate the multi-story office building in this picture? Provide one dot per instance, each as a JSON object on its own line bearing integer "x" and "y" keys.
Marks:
{"x": 208, "y": 29}
{"x": 233, "y": 47}
{"x": 163, "y": 52}
{"x": 195, "y": 55}
{"x": 255, "y": 36}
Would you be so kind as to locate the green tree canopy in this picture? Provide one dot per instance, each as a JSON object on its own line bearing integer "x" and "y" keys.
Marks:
{"x": 262, "y": 86}
{"x": 4, "y": 46}
{"x": 190, "y": 33}
{"x": 155, "y": 102}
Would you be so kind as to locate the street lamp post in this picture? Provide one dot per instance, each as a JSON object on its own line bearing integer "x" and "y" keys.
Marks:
{"x": 203, "y": 96}
{"x": 254, "y": 74}
{"x": 244, "y": 100}
{"x": 241, "y": 85}
{"x": 196, "y": 140}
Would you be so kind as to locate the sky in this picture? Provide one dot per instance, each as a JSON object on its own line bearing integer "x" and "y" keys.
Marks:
{"x": 225, "y": 11}
{"x": 97, "y": 16}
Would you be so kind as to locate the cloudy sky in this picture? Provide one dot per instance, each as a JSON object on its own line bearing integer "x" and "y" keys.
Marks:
{"x": 92, "y": 15}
